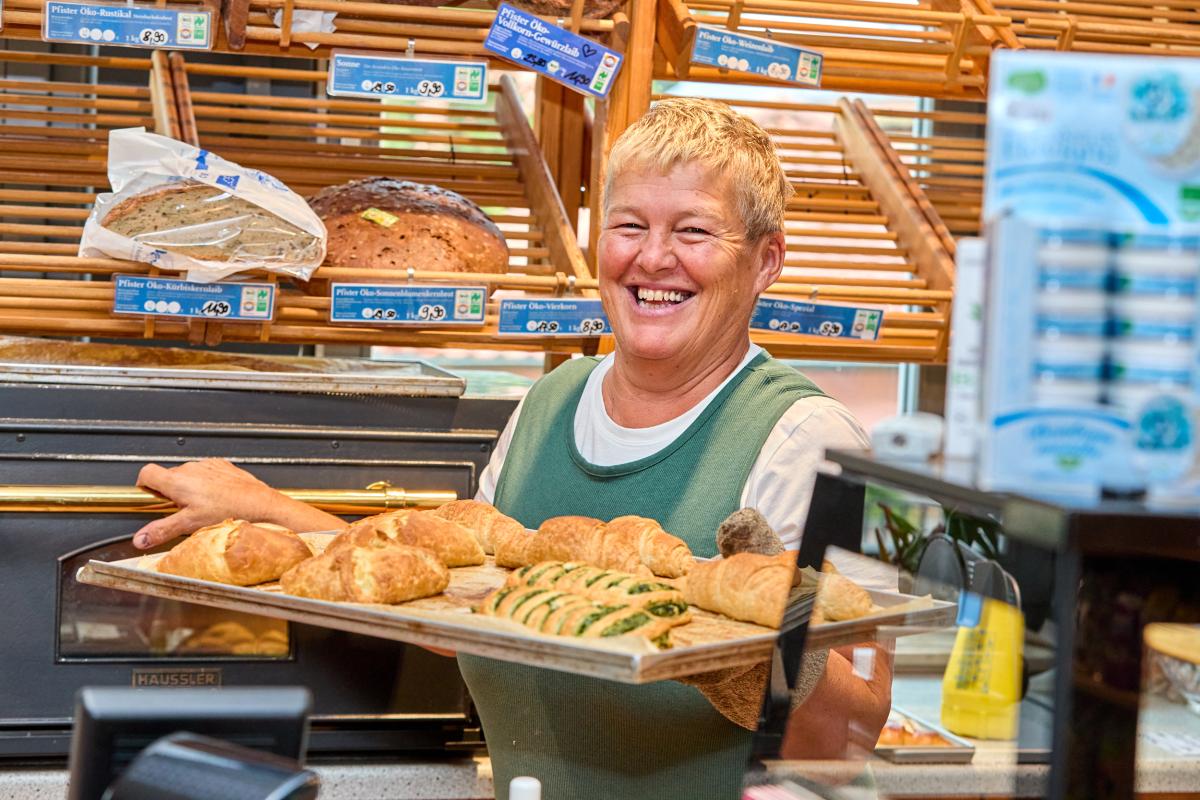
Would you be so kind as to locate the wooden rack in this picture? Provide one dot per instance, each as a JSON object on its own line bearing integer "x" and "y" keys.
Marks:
{"x": 1148, "y": 27}
{"x": 857, "y": 234}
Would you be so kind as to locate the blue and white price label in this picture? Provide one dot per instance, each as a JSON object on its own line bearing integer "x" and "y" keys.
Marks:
{"x": 173, "y": 297}
{"x": 575, "y": 62}
{"x": 128, "y": 25}
{"x": 362, "y": 75}
{"x": 717, "y": 47}
{"x": 407, "y": 304}
{"x": 814, "y": 319}
{"x": 552, "y": 317}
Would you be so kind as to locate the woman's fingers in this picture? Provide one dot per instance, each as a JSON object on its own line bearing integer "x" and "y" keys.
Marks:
{"x": 162, "y": 530}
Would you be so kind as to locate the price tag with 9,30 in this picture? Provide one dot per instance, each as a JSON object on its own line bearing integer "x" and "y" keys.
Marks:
{"x": 552, "y": 317}
{"x": 367, "y": 75}
{"x": 173, "y": 297}
{"x": 128, "y": 25}
{"x": 407, "y": 304}
{"x": 816, "y": 319}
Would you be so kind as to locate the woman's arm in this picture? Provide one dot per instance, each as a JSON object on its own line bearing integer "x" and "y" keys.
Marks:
{"x": 212, "y": 490}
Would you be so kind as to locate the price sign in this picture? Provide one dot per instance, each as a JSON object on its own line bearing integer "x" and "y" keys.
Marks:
{"x": 552, "y": 317}
{"x": 717, "y": 47}
{"x": 814, "y": 319}
{"x": 364, "y": 75}
{"x": 406, "y": 304}
{"x": 172, "y": 297}
{"x": 128, "y": 25}
{"x": 577, "y": 63}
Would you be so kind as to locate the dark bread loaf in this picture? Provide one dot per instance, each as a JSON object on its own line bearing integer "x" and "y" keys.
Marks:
{"x": 592, "y": 9}
{"x": 383, "y": 223}
{"x": 208, "y": 224}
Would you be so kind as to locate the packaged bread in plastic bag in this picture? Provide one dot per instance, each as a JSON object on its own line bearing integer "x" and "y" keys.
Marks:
{"x": 183, "y": 208}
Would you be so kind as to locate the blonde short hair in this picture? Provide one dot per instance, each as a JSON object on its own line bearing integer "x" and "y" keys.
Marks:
{"x": 684, "y": 130}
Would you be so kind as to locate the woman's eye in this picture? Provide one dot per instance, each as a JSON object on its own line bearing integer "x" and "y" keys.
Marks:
{"x": 695, "y": 230}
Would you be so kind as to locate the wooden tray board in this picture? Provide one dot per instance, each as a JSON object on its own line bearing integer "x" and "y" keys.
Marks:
{"x": 708, "y": 642}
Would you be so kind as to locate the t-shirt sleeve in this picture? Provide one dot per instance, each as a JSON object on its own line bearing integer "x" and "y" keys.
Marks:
{"x": 491, "y": 473}
{"x": 781, "y": 481}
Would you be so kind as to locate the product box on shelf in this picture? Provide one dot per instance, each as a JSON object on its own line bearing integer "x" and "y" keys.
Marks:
{"x": 1091, "y": 367}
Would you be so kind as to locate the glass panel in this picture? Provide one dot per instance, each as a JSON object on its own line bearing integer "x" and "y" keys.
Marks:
{"x": 97, "y": 623}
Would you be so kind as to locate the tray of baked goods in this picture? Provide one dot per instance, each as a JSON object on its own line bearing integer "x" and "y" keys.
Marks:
{"x": 907, "y": 739}
{"x": 622, "y": 600}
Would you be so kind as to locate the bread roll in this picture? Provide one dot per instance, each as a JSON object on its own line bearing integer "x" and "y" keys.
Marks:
{"x": 236, "y": 552}
{"x": 747, "y": 586}
{"x": 207, "y": 223}
{"x": 454, "y": 544}
{"x": 604, "y": 586}
{"x": 483, "y": 520}
{"x": 384, "y": 223}
{"x": 380, "y": 572}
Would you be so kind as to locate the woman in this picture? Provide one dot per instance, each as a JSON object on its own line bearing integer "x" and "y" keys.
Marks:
{"x": 685, "y": 422}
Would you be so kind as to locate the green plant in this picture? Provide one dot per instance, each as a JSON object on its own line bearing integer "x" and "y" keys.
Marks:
{"x": 908, "y": 540}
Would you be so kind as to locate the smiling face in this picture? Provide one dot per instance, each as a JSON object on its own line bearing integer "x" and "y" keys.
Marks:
{"x": 677, "y": 275}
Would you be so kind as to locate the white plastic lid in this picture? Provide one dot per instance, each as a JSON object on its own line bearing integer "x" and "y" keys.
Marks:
{"x": 1066, "y": 392}
{"x": 1070, "y": 350}
{"x": 1152, "y": 354}
{"x": 1154, "y": 307}
{"x": 1131, "y": 397}
{"x": 1079, "y": 303}
{"x": 1073, "y": 255}
{"x": 1159, "y": 262}
{"x": 525, "y": 788}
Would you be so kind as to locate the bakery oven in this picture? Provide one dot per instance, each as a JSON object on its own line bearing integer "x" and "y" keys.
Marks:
{"x": 371, "y": 696}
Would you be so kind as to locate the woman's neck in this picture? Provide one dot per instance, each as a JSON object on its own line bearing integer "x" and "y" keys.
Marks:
{"x": 640, "y": 393}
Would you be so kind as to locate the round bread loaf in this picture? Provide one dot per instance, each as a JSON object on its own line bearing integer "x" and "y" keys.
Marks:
{"x": 592, "y": 9}
{"x": 384, "y": 223}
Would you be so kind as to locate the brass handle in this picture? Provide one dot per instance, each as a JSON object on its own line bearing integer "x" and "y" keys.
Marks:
{"x": 111, "y": 499}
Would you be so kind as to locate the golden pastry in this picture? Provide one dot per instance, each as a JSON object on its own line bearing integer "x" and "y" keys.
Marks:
{"x": 236, "y": 552}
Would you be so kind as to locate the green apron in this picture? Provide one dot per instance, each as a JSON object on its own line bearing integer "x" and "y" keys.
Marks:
{"x": 591, "y": 739}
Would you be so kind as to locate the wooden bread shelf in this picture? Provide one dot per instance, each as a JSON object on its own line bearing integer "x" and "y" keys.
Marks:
{"x": 248, "y": 26}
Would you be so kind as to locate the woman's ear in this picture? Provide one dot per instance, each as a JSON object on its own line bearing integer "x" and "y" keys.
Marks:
{"x": 771, "y": 248}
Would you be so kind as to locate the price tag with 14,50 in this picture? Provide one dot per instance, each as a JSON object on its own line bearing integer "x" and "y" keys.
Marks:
{"x": 365, "y": 75}
{"x": 552, "y": 317}
{"x": 407, "y": 304}
{"x": 575, "y": 62}
{"x": 817, "y": 319}
{"x": 717, "y": 47}
{"x": 174, "y": 297}
{"x": 128, "y": 25}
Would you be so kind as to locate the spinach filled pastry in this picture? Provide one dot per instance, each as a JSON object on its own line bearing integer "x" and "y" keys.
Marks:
{"x": 568, "y": 614}
{"x": 604, "y": 586}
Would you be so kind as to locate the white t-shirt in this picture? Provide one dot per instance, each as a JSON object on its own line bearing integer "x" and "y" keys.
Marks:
{"x": 780, "y": 482}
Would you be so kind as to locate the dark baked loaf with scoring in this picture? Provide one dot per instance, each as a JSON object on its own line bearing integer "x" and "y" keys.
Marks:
{"x": 592, "y": 9}
{"x": 384, "y": 223}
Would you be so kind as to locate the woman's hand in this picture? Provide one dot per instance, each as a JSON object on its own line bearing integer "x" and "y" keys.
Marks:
{"x": 212, "y": 490}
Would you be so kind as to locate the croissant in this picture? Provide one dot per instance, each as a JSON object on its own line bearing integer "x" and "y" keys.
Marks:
{"x": 567, "y": 614}
{"x": 839, "y": 598}
{"x": 379, "y": 572}
{"x": 236, "y": 552}
{"x": 629, "y": 544}
{"x": 604, "y": 586}
{"x": 746, "y": 586}
{"x": 483, "y": 520}
{"x": 454, "y": 544}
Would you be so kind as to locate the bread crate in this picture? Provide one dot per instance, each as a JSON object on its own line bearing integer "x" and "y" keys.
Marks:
{"x": 310, "y": 142}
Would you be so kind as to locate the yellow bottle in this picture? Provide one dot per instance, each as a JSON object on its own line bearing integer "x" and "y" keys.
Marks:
{"x": 981, "y": 689}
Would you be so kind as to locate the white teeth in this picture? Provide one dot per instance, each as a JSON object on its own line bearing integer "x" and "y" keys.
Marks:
{"x": 659, "y": 296}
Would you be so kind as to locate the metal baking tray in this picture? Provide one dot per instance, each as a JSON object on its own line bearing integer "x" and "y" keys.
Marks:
{"x": 957, "y": 751}
{"x": 46, "y": 361}
{"x": 709, "y": 642}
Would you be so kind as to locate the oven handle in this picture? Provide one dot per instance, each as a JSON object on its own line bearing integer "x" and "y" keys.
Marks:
{"x": 378, "y": 496}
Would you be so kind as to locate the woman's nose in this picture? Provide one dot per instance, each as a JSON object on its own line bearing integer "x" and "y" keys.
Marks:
{"x": 655, "y": 254}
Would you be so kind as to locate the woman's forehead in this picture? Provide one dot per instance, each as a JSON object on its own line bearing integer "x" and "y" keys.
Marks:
{"x": 691, "y": 184}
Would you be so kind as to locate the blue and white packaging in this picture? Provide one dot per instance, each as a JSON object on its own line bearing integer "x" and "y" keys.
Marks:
{"x": 574, "y": 61}
{"x": 128, "y": 25}
{"x": 141, "y": 163}
{"x": 725, "y": 49}
{"x": 372, "y": 75}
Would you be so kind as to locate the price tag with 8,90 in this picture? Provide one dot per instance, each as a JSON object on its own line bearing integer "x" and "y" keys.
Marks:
{"x": 552, "y": 317}
{"x": 128, "y": 25}
{"x": 173, "y": 297}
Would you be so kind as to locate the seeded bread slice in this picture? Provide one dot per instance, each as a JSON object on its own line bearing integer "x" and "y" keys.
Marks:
{"x": 208, "y": 224}
{"x": 383, "y": 223}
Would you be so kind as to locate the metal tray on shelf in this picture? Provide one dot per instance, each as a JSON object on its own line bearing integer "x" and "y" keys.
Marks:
{"x": 956, "y": 750}
{"x": 708, "y": 642}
